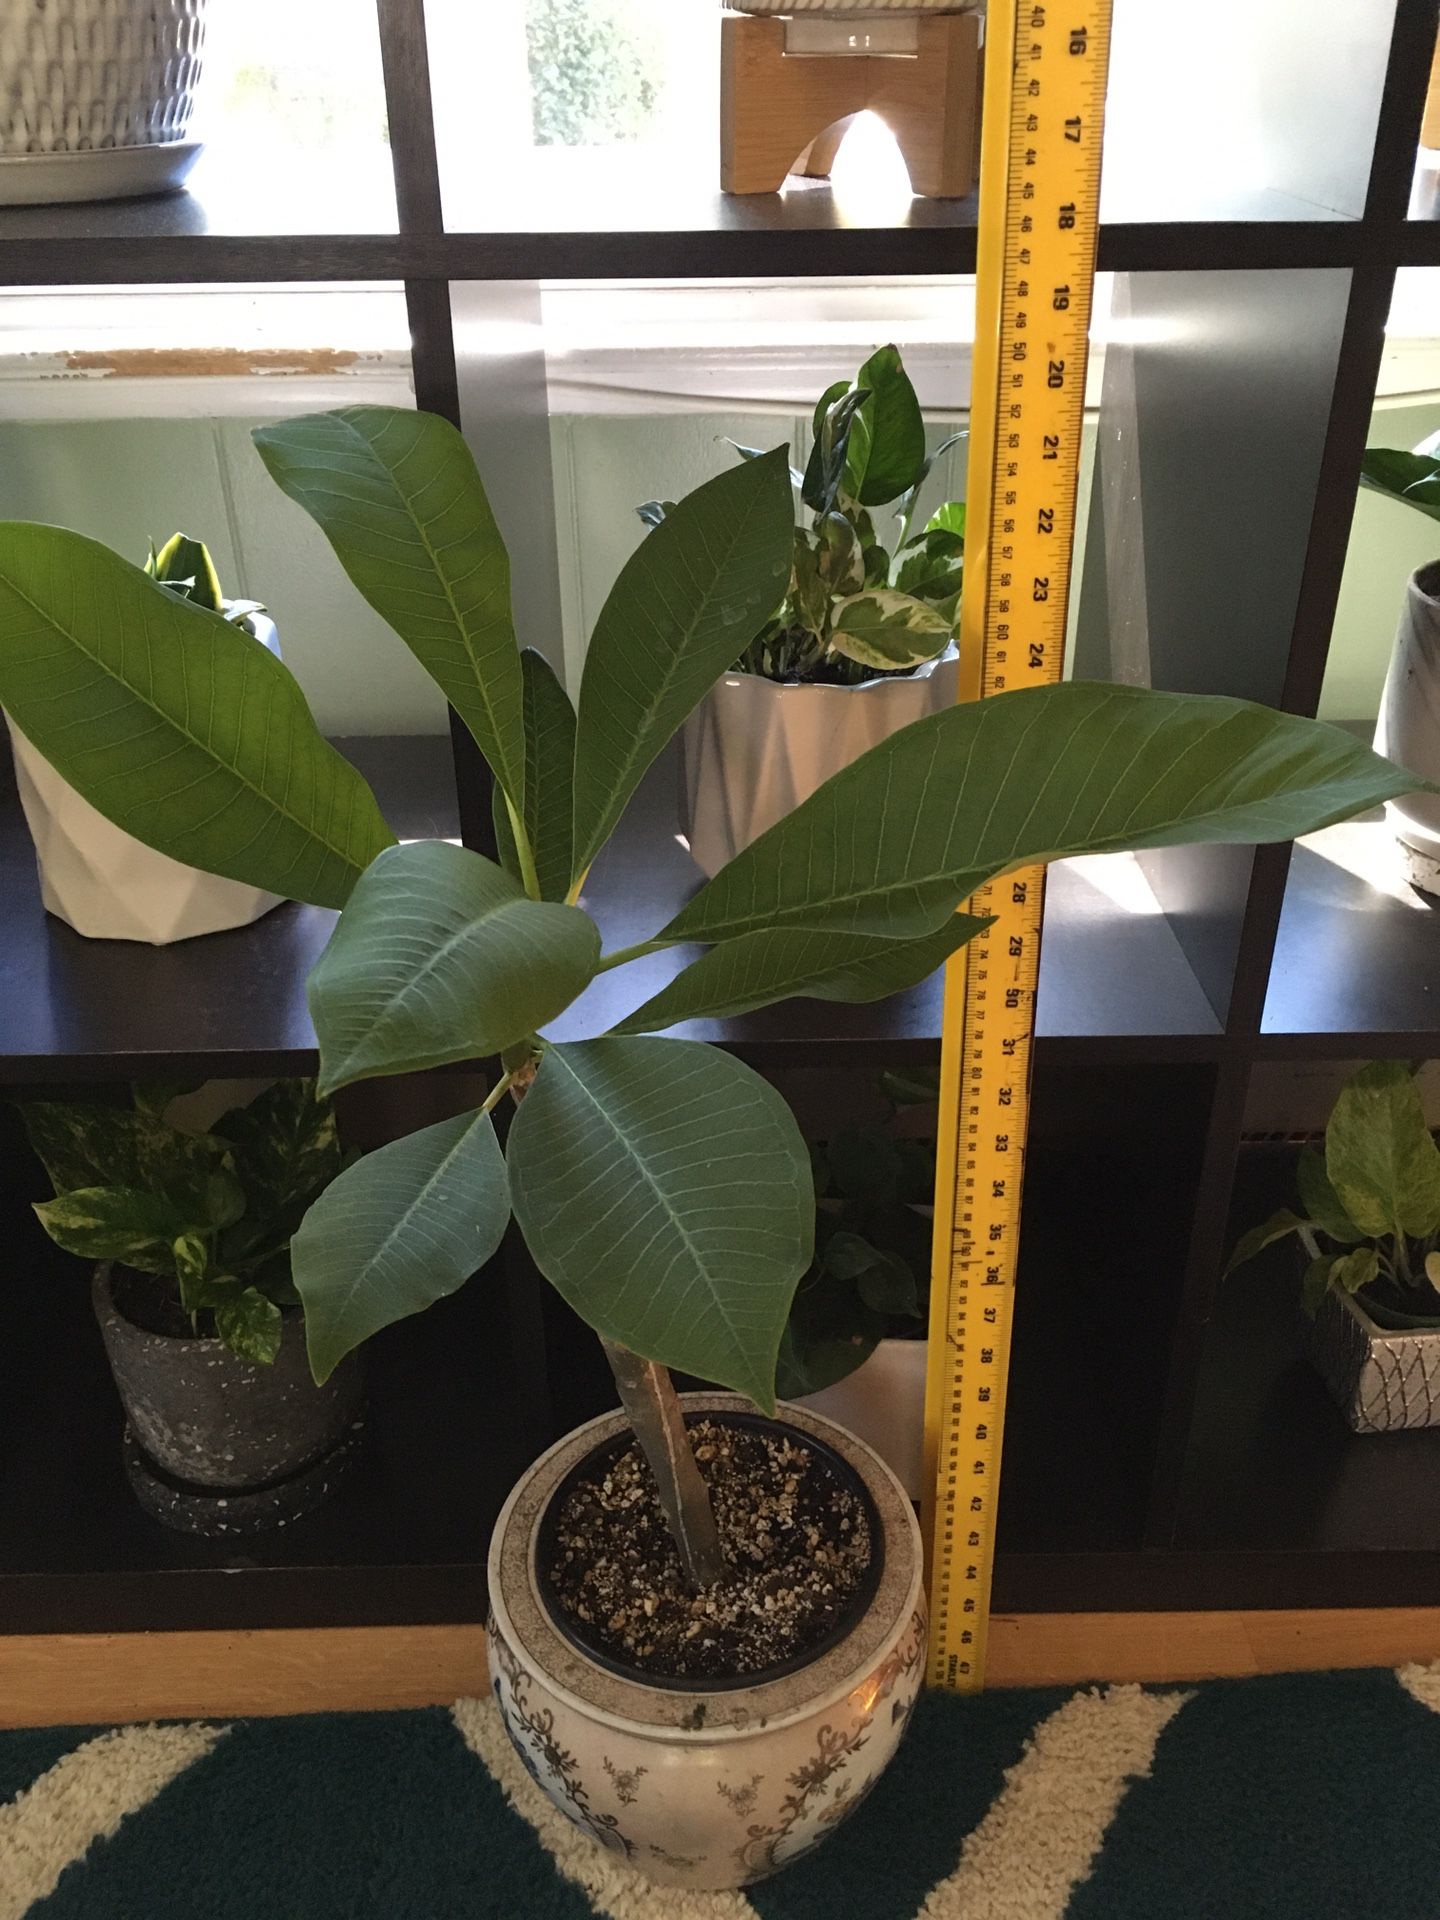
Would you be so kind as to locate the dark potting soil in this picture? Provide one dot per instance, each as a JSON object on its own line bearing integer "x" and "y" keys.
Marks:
{"x": 796, "y": 1539}
{"x": 151, "y": 1303}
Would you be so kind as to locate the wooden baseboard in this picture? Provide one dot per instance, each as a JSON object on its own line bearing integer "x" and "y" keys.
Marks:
{"x": 89, "y": 1678}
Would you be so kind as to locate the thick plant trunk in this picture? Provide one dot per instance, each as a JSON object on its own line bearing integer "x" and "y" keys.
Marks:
{"x": 648, "y": 1396}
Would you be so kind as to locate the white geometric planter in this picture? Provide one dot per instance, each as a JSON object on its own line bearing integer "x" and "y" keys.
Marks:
{"x": 107, "y": 884}
{"x": 722, "y": 1786}
{"x": 754, "y": 749}
{"x": 1408, "y": 729}
{"x": 1382, "y": 1382}
{"x": 883, "y": 1403}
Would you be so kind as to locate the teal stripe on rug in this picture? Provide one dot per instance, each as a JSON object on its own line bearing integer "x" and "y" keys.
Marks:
{"x": 1302, "y": 1797}
{"x": 1312, "y": 1797}
{"x": 365, "y": 1816}
{"x": 909, "y": 1833}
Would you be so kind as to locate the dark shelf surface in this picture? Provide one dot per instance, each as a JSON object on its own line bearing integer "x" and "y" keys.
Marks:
{"x": 1113, "y": 978}
{"x": 618, "y": 214}
{"x": 1272, "y": 1465}
{"x": 72, "y": 1008}
{"x": 1357, "y": 958}
{"x": 226, "y": 197}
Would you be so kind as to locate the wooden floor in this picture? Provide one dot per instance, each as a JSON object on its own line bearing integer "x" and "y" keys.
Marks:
{"x": 79, "y": 1678}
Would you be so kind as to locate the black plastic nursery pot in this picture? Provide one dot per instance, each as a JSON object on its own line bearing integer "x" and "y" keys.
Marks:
{"x": 601, "y": 1457}
{"x": 215, "y": 1445}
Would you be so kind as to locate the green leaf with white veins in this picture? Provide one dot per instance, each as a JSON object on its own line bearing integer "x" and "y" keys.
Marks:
{"x": 549, "y": 779}
{"x": 664, "y": 1190}
{"x": 896, "y": 840}
{"x": 759, "y": 968}
{"x": 687, "y": 603}
{"x": 440, "y": 956}
{"x": 174, "y": 724}
{"x": 1381, "y": 1159}
{"x": 397, "y": 496}
{"x": 887, "y": 629}
{"x": 398, "y": 1231}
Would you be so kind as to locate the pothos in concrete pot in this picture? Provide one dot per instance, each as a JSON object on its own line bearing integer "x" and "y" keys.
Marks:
{"x": 226, "y": 1433}
{"x": 102, "y": 881}
{"x": 863, "y": 642}
{"x": 1408, "y": 728}
{"x": 721, "y": 1708}
{"x": 1369, "y": 1223}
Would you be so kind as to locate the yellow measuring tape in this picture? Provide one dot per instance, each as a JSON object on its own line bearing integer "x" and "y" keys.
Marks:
{"x": 1045, "y": 71}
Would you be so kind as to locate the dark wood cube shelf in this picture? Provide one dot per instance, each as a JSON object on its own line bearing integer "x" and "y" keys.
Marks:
{"x": 1165, "y": 1446}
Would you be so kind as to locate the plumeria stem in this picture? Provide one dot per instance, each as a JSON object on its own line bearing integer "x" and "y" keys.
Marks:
{"x": 622, "y": 956}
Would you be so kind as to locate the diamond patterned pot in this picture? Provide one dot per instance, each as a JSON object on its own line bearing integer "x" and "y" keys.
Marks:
{"x": 1382, "y": 1382}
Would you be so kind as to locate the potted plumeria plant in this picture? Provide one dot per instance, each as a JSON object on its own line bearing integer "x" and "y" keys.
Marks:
{"x": 863, "y": 641}
{"x": 1369, "y": 1223}
{"x": 102, "y": 881}
{"x": 682, "y": 1595}
{"x": 226, "y": 1433}
{"x": 1408, "y": 728}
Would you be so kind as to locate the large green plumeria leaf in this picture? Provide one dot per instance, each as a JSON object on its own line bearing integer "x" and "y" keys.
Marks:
{"x": 549, "y": 774}
{"x": 440, "y": 956}
{"x": 887, "y": 436}
{"x": 896, "y": 840}
{"x": 1382, "y": 1162}
{"x": 174, "y": 724}
{"x": 778, "y": 964}
{"x": 549, "y": 782}
{"x": 397, "y": 496}
{"x": 686, "y": 604}
{"x": 664, "y": 1189}
{"x": 398, "y": 1231}
{"x": 1411, "y": 477}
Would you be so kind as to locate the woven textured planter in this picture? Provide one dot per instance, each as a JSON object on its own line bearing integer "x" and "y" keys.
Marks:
{"x": 78, "y": 76}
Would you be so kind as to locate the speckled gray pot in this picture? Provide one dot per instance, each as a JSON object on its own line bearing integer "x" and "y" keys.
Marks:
{"x": 212, "y": 1420}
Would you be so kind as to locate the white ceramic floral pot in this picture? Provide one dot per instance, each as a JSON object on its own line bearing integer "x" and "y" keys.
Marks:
{"x": 720, "y": 1786}
{"x": 81, "y": 76}
{"x": 883, "y": 1402}
{"x": 107, "y": 884}
{"x": 754, "y": 749}
{"x": 1408, "y": 729}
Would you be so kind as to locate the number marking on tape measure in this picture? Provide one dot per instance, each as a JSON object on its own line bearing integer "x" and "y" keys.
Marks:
{"x": 1039, "y": 214}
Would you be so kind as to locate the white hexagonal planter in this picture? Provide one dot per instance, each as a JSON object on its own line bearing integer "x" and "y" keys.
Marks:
{"x": 104, "y": 882}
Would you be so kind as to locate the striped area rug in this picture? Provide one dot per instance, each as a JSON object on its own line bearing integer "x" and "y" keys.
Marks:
{"x": 1304, "y": 1797}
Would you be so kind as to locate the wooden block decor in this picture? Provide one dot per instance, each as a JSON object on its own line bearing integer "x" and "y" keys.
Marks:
{"x": 783, "y": 113}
